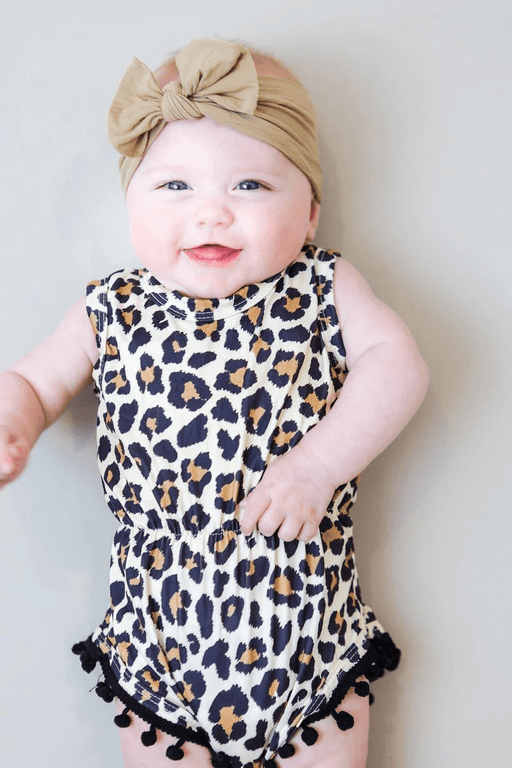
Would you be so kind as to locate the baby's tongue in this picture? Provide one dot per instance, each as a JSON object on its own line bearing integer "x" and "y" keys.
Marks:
{"x": 211, "y": 251}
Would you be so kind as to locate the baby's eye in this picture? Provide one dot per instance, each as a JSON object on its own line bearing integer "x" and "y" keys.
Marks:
{"x": 176, "y": 186}
{"x": 250, "y": 184}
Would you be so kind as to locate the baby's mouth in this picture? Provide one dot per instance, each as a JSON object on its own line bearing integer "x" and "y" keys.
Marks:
{"x": 211, "y": 252}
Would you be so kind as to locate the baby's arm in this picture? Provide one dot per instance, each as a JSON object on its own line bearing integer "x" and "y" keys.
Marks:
{"x": 37, "y": 388}
{"x": 387, "y": 382}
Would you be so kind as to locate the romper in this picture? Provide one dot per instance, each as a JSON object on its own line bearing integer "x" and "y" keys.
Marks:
{"x": 226, "y": 640}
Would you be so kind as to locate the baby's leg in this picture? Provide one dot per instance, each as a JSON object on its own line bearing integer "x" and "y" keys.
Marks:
{"x": 334, "y": 748}
{"x": 136, "y": 755}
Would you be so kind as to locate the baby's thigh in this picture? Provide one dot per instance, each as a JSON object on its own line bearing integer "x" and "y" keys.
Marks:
{"x": 136, "y": 755}
{"x": 335, "y": 748}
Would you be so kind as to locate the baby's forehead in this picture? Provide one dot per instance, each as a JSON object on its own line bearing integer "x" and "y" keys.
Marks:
{"x": 266, "y": 66}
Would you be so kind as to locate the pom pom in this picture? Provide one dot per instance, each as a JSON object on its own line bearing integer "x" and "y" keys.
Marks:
{"x": 87, "y": 662}
{"x": 309, "y": 735}
{"x": 105, "y": 692}
{"x": 221, "y": 760}
{"x": 389, "y": 654}
{"x": 123, "y": 720}
{"x": 78, "y": 648}
{"x": 362, "y": 688}
{"x": 374, "y": 672}
{"x": 287, "y": 750}
{"x": 174, "y": 752}
{"x": 148, "y": 738}
{"x": 344, "y": 720}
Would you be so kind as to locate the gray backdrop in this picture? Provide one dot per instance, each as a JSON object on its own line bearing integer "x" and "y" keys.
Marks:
{"x": 414, "y": 110}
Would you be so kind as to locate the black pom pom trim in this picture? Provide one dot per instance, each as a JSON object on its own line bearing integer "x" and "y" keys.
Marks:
{"x": 123, "y": 720}
{"x": 105, "y": 692}
{"x": 287, "y": 750}
{"x": 221, "y": 760}
{"x": 381, "y": 655}
{"x": 362, "y": 688}
{"x": 309, "y": 735}
{"x": 78, "y": 648}
{"x": 344, "y": 720}
{"x": 132, "y": 705}
{"x": 87, "y": 660}
{"x": 148, "y": 738}
{"x": 174, "y": 752}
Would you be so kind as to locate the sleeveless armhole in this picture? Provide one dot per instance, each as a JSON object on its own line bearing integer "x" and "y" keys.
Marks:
{"x": 96, "y": 305}
{"x": 324, "y": 265}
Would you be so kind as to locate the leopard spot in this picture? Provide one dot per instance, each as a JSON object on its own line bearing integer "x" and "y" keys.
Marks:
{"x": 251, "y": 656}
{"x": 217, "y": 655}
{"x": 117, "y": 382}
{"x": 140, "y": 337}
{"x": 175, "y": 601}
{"x": 174, "y": 347}
{"x": 193, "y": 689}
{"x": 188, "y": 391}
{"x": 273, "y": 683}
{"x": 257, "y": 411}
{"x": 286, "y": 587}
{"x": 194, "y": 432}
{"x": 227, "y": 714}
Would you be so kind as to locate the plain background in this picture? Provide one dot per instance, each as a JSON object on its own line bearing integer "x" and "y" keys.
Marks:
{"x": 414, "y": 110}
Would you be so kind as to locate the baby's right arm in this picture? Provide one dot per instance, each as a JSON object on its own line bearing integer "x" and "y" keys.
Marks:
{"x": 35, "y": 390}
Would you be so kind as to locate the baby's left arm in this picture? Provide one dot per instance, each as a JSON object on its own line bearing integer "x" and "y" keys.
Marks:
{"x": 386, "y": 384}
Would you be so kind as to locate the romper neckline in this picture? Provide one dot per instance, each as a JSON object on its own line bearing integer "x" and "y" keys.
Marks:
{"x": 205, "y": 310}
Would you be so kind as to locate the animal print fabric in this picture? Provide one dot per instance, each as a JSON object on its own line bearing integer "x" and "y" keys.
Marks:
{"x": 236, "y": 639}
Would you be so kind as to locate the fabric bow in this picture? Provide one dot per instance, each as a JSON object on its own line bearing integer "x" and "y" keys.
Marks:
{"x": 213, "y": 75}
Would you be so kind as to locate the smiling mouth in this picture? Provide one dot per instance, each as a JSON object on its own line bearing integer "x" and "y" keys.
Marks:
{"x": 213, "y": 253}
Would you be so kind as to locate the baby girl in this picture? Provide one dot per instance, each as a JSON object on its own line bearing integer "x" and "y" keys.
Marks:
{"x": 245, "y": 378}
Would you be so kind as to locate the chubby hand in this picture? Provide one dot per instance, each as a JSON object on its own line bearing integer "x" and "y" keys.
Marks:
{"x": 13, "y": 455}
{"x": 291, "y": 498}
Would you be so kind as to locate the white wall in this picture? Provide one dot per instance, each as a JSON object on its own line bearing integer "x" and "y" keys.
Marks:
{"x": 414, "y": 109}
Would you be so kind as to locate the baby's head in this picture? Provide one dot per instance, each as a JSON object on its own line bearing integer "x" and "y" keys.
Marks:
{"x": 220, "y": 167}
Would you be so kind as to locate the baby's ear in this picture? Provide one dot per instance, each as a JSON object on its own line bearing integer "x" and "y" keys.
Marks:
{"x": 314, "y": 215}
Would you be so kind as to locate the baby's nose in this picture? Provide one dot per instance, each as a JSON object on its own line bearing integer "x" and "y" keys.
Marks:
{"x": 213, "y": 213}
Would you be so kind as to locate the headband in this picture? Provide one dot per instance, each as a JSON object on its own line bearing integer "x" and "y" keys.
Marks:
{"x": 217, "y": 80}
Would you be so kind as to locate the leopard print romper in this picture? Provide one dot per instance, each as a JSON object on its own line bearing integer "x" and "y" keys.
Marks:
{"x": 223, "y": 639}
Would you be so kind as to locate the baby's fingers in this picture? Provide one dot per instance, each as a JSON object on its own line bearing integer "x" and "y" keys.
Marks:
{"x": 308, "y": 531}
{"x": 252, "y": 509}
{"x": 11, "y": 457}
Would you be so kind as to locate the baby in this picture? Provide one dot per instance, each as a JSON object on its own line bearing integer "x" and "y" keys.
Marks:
{"x": 245, "y": 378}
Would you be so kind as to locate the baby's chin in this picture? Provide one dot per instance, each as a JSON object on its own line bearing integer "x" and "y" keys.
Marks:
{"x": 204, "y": 288}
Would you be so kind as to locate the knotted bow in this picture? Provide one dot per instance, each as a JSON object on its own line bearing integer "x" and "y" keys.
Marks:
{"x": 212, "y": 73}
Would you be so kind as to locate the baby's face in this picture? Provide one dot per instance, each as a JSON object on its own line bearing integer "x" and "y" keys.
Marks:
{"x": 212, "y": 210}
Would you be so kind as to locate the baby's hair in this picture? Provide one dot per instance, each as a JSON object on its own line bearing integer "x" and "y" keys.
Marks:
{"x": 265, "y": 63}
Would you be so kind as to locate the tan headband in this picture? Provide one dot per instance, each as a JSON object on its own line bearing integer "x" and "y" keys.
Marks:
{"x": 216, "y": 80}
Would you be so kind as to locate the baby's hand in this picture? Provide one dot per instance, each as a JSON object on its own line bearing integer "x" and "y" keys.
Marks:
{"x": 291, "y": 498}
{"x": 13, "y": 455}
